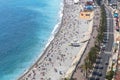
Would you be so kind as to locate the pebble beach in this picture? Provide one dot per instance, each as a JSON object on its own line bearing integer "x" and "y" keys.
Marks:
{"x": 60, "y": 56}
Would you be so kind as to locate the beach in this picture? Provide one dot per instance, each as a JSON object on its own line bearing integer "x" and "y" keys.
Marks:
{"x": 60, "y": 56}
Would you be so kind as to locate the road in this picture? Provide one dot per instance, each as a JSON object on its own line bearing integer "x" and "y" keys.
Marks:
{"x": 99, "y": 74}
{"x": 109, "y": 29}
{"x": 113, "y": 1}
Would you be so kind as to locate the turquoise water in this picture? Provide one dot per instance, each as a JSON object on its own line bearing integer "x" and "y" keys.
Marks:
{"x": 25, "y": 27}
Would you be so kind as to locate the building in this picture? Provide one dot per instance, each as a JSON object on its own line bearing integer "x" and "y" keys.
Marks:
{"x": 87, "y": 15}
{"x": 76, "y": 1}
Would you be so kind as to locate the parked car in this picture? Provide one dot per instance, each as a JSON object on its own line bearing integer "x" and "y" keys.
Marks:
{"x": 98, "y": 61}
{"x": 100, "y": 67}
{"x": 97, "y": 78}
{"x": 103, "y": 46}
{"x": 95, "y": 73}
{"x": 99, "y": 57}
{"x": 105, "y": 41}
{"x": 100, "y": 74}
{"x": 106, "y": 63}
{"x": 96, "y": 67}
{"x": 92, "y": 78}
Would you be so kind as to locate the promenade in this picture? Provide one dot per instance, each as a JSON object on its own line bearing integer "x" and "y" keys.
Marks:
{"x": 79, "y": 74}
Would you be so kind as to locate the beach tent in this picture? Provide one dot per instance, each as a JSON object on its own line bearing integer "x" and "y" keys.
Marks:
{"x": 76, "y": 1}
{"x": 89, "y": 7}
{"x": 115, "y": 14}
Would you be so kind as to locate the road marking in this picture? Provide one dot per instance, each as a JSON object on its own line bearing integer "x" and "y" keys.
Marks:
{"x": 109, "y": 18}
{"x": 108, "y": 32}
{"x": 106, "y": 52}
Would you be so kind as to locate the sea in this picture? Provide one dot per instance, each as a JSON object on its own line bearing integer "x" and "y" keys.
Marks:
{"x": 26, "y": 29}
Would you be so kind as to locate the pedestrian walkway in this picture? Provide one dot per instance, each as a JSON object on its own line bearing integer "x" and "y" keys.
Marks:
{"x": 79, "y": 73}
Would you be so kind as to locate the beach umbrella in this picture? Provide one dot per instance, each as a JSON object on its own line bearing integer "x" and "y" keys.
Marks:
{"x": 89, "y": 7}
{"x": 115, "y": 14}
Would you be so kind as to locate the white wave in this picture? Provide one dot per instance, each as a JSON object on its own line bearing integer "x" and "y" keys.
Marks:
{"x": 57, "y": 26}
{"x": 55, "y": 30}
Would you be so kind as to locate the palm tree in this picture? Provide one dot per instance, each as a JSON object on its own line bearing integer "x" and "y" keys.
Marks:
{"x": 85, "y": 67}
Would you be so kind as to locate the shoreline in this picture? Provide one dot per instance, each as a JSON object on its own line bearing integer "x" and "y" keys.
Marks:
{"x": 73, "y": 27}
{"x": 54, "y": 33}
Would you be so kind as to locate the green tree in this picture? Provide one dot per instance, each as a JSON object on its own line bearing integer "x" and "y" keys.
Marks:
{"x": 110, "y": 75}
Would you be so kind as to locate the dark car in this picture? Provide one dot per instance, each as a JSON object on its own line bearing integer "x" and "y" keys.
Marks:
{"x": 97, "y": 78}
{"x": 92, "y": 78}
{"x": 100, "y": 67}
{"x": 95, "y": 73}
{"x": 99, "y": 57}
{"x": 105, "y": 38}
{"x": 105, "y": 41}
{"x": 99, "y": 74}
{"x": 106, "y": 63}
{"x": 96, "y": 67}
{"x": 98, "y": 61}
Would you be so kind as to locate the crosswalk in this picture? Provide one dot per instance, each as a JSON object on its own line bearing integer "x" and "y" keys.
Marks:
{"x": 108, "y": 32}
{"x": 109, "y": 18}
{"x": 107, "y": 52}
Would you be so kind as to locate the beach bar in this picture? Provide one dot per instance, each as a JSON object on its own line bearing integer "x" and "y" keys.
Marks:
{"x": 86, "y": 15}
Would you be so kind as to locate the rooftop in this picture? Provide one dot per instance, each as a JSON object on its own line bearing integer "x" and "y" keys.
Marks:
{"x": 87, "y": 15}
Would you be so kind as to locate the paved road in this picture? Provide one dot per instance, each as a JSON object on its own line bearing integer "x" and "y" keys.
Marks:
{"x": 113, "y": 1}
{"x": 109, "y": 30}
{"x": 101, "y": 72}
{"x": 105, "y": 55}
